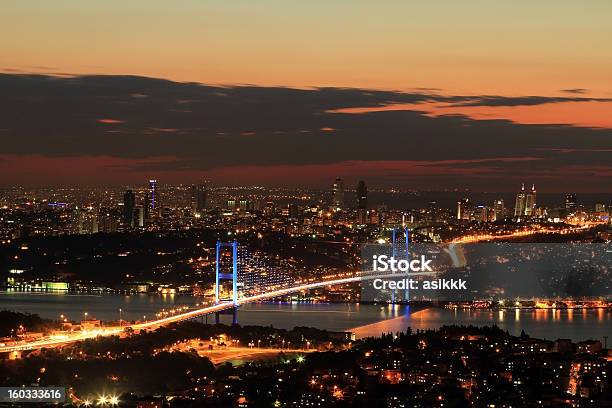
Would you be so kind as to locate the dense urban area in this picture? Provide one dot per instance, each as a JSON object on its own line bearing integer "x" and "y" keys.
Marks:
{"x": 154, "y": 238}
{"x": 163, "y": 240}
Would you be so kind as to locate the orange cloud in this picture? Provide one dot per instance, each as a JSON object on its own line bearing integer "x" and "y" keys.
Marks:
{"x": 582, "y": 113}
{"x": 110, "y": 121}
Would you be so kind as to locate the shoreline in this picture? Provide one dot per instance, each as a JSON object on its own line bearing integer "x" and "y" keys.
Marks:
{"x": 369, "y": 330}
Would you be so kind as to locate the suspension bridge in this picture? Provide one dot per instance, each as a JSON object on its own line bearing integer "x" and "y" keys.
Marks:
{"x": 223, "y": 303}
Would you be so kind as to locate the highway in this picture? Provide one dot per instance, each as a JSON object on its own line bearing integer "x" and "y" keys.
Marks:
{"x": 71, "y": 337}
{"x": 522, "y": 233}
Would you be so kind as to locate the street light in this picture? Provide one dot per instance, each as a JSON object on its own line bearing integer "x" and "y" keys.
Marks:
{"x": 120, "y": 310}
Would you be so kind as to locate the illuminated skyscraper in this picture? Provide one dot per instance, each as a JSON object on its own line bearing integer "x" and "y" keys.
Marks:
{"x": 520, "y": 203}
{"x": 498, "y": 209}
{"x": 525, "y": 204}
{"x": 338, "y": 193}
{"x": 482, "y": 213}
{"x": 129, "y": 203}
{"x": 530, "y": 202}
{"x": 464, "y": 209}
{"x": 139, "y": 216}
{"x": 244, "y": 205}
{"x": 362, "y": 203}
{"x": 571, "y": 203}
{"x": 153, "y": 198}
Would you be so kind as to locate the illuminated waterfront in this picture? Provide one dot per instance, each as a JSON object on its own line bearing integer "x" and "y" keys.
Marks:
{"x": 548, "y": 324}
{"x": 363, "y": 319}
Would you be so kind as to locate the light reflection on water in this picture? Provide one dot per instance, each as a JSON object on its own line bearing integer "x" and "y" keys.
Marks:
{"x": 363, "y": 319}
{"x": 549, "y": 324}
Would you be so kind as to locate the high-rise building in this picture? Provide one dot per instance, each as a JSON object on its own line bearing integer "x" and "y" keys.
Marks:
{"x": 199, "y": 196}
{"x": 520, "y": 203}
{"x": 86, "y": 221}
{"x": 146, "y": 206}
{"x": 338, "y": 193}
{"x": 139, "y": 216}
{"x": 362, "y": 195}
{"x": 362, "y": 203}
{"x": 498, "y": 209}
{"x": 244, "y": 205}
{"x": 482, "y": 213}
{"x": 571, "y": 203}
{"x": 525, "y": 204}
{"x": 530, "y": 202}
{"x": 464, "y": 209}
{"x": 129, "y": 203}
{"x": 153, "y": 194}
{"x": 432, "y": 211}
{"x": 108, "y": 223}
{"x": 375, "y": 217}
{"x": 294, "y": 211}
{"x": 290, "y": 211}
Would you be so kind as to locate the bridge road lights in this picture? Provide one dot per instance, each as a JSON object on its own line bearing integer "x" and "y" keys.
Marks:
{"x": 233, "y": 276}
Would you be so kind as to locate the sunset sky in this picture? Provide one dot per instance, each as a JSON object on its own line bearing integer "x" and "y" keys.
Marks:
{"x": 522, "y": 67}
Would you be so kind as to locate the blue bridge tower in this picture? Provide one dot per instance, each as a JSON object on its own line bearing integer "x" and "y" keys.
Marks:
{"x": 400, "y": 251}
{"x": 232, "y": 276}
